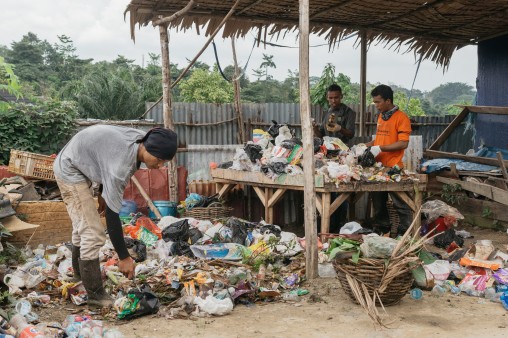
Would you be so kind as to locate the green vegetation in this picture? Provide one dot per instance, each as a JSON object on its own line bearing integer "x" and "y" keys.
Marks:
{"x": 39, "y": 71}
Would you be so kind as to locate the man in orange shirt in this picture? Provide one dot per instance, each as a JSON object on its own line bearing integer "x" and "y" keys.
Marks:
{"x": 392, "y": 137}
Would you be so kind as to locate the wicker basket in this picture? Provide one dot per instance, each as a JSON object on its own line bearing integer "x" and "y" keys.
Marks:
{"x": 31, "y": 165}
{"x": 370, "y": 272}
{"x": 213, "y": 211}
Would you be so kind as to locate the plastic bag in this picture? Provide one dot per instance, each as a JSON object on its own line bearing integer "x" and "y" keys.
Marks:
{"x": 366, "y": 159}
{"x": 434, "y": 209}
{"x": 350, "y": 228}
{"x": 273, "y": 130}
{"x": 145, "y": 222}
{"x": 253, "y": 151}
{"x": 446, "y": 238}
{"x": 176, "y": 231}
{"x": 284, "y": 136}
{"x": 377, "y": 246}
{"x": 214, "y": 306}
{"x": 438, "y": 270}
{"x": 137, "y": 249}
{"x": 137, "y": 303}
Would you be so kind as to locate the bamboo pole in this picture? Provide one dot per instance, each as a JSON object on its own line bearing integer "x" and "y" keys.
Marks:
{"x": 363, "y": 83}
{"x": 238, "y": 103}
{"x": 166, "y": 104}
{"x": 311, "y": 258}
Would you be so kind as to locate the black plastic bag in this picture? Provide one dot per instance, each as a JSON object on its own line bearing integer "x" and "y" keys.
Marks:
{"x": 176, "y": 231}
{"x": 138, "y": 247}
{"x": 254, "y": 152}
{"x": 239, "y": 228}
{"x": 291, "y": 143}
{"x": 269, "y": 228}
{"x": 446, "y": 238}
{"x": 225, "y": 165}
{"x": 148, "y": 303}
{"x": 273, "y": 130}
{"x": 318, "y": 142}
{"x": 367, "y": 158}
{"x": 181, "y": 248}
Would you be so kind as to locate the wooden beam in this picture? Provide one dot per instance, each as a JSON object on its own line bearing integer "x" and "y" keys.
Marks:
{"x": 491, "y": 110}
{"x": 503, "y": 168}
{"x": 224, "y": 189}
{"x": 325, "y": 213}
{"x": 261, "y": 195}
{"x": 175, "y": 16}
{"x": 276, "y": 197}
{"x": 475, "y": 159}
{"x": 363, "y": 83}
{"x": 448, "y": 130}
{"x": 404, "y": 196}
{"x": 237, "y": 103}
{"x": 338, "y": 201}
{"x": 146, "y": 197}
{"x": 495, "y": 194}
{"x": 319, "y": 204}
{"x": 309, "y": 192}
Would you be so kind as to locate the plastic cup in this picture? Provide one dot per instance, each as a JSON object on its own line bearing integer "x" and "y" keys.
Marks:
{"x": 416, "y": 293}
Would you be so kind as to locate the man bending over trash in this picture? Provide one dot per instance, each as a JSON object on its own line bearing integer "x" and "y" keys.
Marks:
{"x": 108, "y": 155}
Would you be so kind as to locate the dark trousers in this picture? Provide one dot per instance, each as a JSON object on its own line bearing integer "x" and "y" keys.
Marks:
{"x": 339, "y": 217}
{"x": 381, "y": 217}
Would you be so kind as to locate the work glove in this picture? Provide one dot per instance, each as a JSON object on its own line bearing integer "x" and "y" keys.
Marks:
{"x": 375, "y": 150}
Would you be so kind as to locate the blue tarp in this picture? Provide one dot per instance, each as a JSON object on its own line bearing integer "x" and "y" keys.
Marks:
{"x": 444, "y": 163}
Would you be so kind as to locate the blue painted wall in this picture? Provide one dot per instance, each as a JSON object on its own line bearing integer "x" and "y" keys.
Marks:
{"x": 492, "y": 87}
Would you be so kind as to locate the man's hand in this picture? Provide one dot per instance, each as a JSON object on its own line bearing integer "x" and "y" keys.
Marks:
{"x": 375, "y": 150}
{"x": 333, "y": 128}
{"x": 127, "y": 266}
{"x": 102, "y": 205}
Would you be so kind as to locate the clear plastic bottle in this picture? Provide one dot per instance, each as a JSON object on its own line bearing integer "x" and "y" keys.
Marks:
{"x": 24, "y": 329}
{"x": 6, "y": 327}
{"x": 492, "y": 295}
{"x": 438, "y": 291}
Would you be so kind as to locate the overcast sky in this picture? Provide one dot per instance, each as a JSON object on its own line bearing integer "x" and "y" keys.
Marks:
{"x": 99, "y": 31}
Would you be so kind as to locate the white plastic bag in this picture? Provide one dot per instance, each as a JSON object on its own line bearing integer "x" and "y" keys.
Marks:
{"x": 214, "y": 306}
{"x": 350, "y": 228}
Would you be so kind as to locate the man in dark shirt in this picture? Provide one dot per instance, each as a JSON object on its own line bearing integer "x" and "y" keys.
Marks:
{"x": 339, "y": 121}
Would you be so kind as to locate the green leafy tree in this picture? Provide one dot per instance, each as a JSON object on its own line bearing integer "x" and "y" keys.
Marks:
{"x": 110, "y": 94}
{"x": 9, "y": 80}
{"x": 318, "y": 91}
{"x": 413, "y": 108}
{"x": 267, "y": 63}
{"x": 451, "y": 93}
{"x": 28, "y": 57}
{"x": 206, "y": 86}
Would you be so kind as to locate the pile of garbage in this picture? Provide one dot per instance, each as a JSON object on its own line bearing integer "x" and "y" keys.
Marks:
{"x": 479, "y": 270}
{"x": 277, "y": 151}
{"x": 185, "y": 267}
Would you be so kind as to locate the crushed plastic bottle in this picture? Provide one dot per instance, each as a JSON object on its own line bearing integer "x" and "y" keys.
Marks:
{"x": 438, "y": 291}
{"x": 492, "y": 295}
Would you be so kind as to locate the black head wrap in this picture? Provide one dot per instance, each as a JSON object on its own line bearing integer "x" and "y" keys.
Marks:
{"x": 161, "y": 143}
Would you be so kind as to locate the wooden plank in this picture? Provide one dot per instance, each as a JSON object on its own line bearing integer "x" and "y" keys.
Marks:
{"x": 503, "y": 168}
{"x": 483, "y": 208}
{"x": 448, "y": 130}
{"x": 338, "y": 201}
{"x": 260, "y": 178}
{"x": 405, "y": 197}
{"x": 261, "y": 195}
{"x": 276, "y": 197}
{"x": 325, "y": 213}
{"x": 268, "y": 208}
{"x": 488, "y": 110}
{"x": 146, "y": 197}
{"x": 309, "y": 192}
{"x": 319, "y": 204}
{"x": 495, "y": 194}
{"x": 474, "y": 159}
{"x": 225, "y": 189}
{"x": 418, "y": 207}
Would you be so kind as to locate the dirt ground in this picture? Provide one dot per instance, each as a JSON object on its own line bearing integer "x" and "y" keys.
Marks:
{"x": 327, "y": 312}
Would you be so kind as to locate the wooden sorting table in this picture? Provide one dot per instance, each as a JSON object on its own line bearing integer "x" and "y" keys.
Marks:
{"x": 270, "y": 191}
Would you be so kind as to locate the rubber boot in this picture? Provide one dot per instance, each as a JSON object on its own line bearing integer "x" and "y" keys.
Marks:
{"x": 75, "y": 263}
{"x": 92, "y": 280}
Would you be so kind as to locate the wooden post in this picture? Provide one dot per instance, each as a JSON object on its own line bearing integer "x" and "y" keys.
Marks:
{"x": 238, "y": 103}
{"x": 311, "y": 251}
{"x": 363, "y": 83}
{"x": 166, "y": 104}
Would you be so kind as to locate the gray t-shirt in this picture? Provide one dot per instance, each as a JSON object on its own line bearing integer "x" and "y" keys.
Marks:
{"x": 344, "y": 116}
{"x": 101, "y": 154}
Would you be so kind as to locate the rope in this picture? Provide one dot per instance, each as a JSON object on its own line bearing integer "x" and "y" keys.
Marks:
{"x": 414, "y": 80}
{"x": 220, "y": 68}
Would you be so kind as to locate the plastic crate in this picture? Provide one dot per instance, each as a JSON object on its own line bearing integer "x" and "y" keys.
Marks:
{"x": 31, "y": 165}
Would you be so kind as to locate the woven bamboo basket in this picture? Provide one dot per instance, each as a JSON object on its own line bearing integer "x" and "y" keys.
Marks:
{"x": 213, "y": 211}
{"x": 370, "y": 272}
{"x": 31, "y": 165}
{"x": 394, "y": 218}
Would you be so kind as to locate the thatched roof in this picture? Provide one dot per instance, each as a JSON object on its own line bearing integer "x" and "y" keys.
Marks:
{"x": 434, "y": 28}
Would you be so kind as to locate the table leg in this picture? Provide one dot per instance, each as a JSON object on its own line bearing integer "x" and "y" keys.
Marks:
{"x": 268, "y": 207}
{"x": 325, "y": 212}
{"x": 418, "y": 205}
